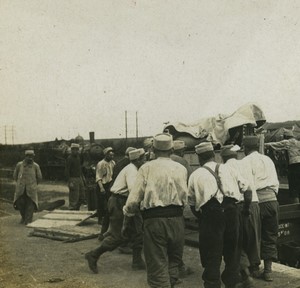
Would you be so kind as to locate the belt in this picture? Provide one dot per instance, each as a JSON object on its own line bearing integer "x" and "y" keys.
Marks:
{"x": 163, "y": 212}
{"x": 119, "y": 196}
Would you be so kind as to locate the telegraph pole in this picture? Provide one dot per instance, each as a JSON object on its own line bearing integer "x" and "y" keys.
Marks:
{"x": 5, "y": 135}
{"x": 126, "y": 127}
{"x": 136, "y": 125}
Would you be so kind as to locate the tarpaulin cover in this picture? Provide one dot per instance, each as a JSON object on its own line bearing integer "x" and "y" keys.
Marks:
{"x": 216, "y": 129}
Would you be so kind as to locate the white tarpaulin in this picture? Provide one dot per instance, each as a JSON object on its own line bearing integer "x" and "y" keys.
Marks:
{"x": 216, "y": 129}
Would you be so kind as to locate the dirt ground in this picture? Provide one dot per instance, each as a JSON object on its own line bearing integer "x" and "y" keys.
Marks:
{"x": 38, "y": 262}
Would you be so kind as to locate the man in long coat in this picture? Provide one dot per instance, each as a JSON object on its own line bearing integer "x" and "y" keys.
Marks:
{"x": 27, "y": 175}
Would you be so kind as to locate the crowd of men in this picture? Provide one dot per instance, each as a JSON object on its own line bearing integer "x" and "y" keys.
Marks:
{"x": 141, "y": 200}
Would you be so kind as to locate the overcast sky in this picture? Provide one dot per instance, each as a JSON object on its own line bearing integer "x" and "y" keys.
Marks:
{"x": 68, "y": 67}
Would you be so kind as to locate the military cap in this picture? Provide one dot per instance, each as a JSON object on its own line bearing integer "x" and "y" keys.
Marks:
{"x": 29, "y": 152}
{"x": 107, "y": 149}
{"x": 74, "y": 145}
{"x": 179, "y": 144}
{"x": 163, "y": 142}
{"x": 204, "y": 147}
{"x": 128, "y": 150}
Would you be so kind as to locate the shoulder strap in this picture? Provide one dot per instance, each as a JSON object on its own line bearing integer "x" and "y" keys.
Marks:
{"x": 216, "y": 175}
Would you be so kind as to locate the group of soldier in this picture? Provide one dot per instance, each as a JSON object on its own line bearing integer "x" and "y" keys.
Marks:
{"x": 142, "y": 198}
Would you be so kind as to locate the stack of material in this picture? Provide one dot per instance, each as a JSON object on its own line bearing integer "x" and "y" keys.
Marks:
{"x": 67, "y": 226}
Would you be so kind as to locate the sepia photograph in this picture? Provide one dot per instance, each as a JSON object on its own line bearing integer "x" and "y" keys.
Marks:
{"x": 148, "y": 143}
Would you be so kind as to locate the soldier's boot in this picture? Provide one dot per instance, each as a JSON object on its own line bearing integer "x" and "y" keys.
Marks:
{"x": 137, "y": 260}
{"x": 267, "y": 274}
{"x": 247, "y": 280}
{"x": 92, "y": 258}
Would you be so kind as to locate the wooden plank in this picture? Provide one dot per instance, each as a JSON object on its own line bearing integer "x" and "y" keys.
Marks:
{"x": 73, "y": 212}
{"x": 66, "y": 217}
{"x": 45, "y": 223}
{"x": 59, "y": 218}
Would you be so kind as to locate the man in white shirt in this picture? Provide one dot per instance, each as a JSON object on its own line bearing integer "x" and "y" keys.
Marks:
{"x": 213, "y": 193}
{"x": 119, "y": 193}
{"x": 104, "y": 177}
{"x": 266, "y": 185}
{"x": 250, "y": 222}
{"x": 160, "y": 192}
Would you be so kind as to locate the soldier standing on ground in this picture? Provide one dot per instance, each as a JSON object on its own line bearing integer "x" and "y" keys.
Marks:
{"x": 266, "y": 185}
{"x": 27, "y": 175}
{"x": 213, "y": 193}
{"x": 250, "y": 223}
{"x": 119, "y": 193}
{"x": 160, "y": 192}
{"x": 177, "y": 156}
{"x": 104, "y": 176}
{"x": 74, "y": 177}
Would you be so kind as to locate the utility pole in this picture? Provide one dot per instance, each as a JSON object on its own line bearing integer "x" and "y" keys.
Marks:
{"x": 12, "y": 135}
{"x": 5, "y": 135}
{"x": 126, "y": 127}
{"x": 136, "y": 125}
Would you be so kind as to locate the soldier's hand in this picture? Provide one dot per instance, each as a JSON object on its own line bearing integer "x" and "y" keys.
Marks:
{"x": 71, "y": 184}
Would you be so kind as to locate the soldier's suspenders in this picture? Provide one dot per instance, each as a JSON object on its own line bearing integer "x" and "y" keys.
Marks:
{"x": 217, "y": 177}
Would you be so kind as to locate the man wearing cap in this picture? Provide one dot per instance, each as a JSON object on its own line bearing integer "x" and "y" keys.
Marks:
{"x": 213, "y": 193}
{"x": 266, "y": 184}
{"x": 250, "y": 216}
{"x": 120, "y": 165}
{"x": 177, "y": 156}
{"x": 104, "y": 176}
{"x": 119, "y": 192}
{"x": 27, "y": 175}
{"x": 160, "y": 192}
{"x": 148, "y": 146}
{"x": 74, "y": 177}
{"x": 292, "y": 146}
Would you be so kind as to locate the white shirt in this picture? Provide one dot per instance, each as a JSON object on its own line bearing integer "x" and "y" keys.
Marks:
{"x": 263, "y": 171}
{"x": 104, "y": 171}
{"x": 203, "y": 185}
{"x": 245, "y": 170}
{"x": 125, "y": 180}
{"x": 160, "y": 182}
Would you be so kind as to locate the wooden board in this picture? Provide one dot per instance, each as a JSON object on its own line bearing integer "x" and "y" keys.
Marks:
{"x": 58, "y": 218}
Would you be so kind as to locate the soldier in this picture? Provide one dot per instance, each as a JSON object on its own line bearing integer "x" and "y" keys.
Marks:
{"x": 160, "y": 192}
{"x": 250, "y": 223}
{"x": 119, "y": 193}
{"x": 266, "y": 185}
{"x": 177, "y": 156}
{"x": 179, "y": 148}
{"x": 213, "y": 193}
{"x": 74, "y": 177}
{"x": 104, "y": 176}
{"x": 27, "y": 175}
{"x": 292, "y": 146}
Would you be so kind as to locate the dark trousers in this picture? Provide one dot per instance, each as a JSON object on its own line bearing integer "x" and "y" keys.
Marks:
{"x": 250, "y": 236}
{"x": 102, "y": 209}
{"x": 163, "y": 249}
{"x": 294, "y": 180}
{"x": 219, "y": 236}
{"x": 114, "y": 238}
{"x": 26, "y": 207}
{"x": 269, "y": 229}
{"x": 76, "y": 193}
